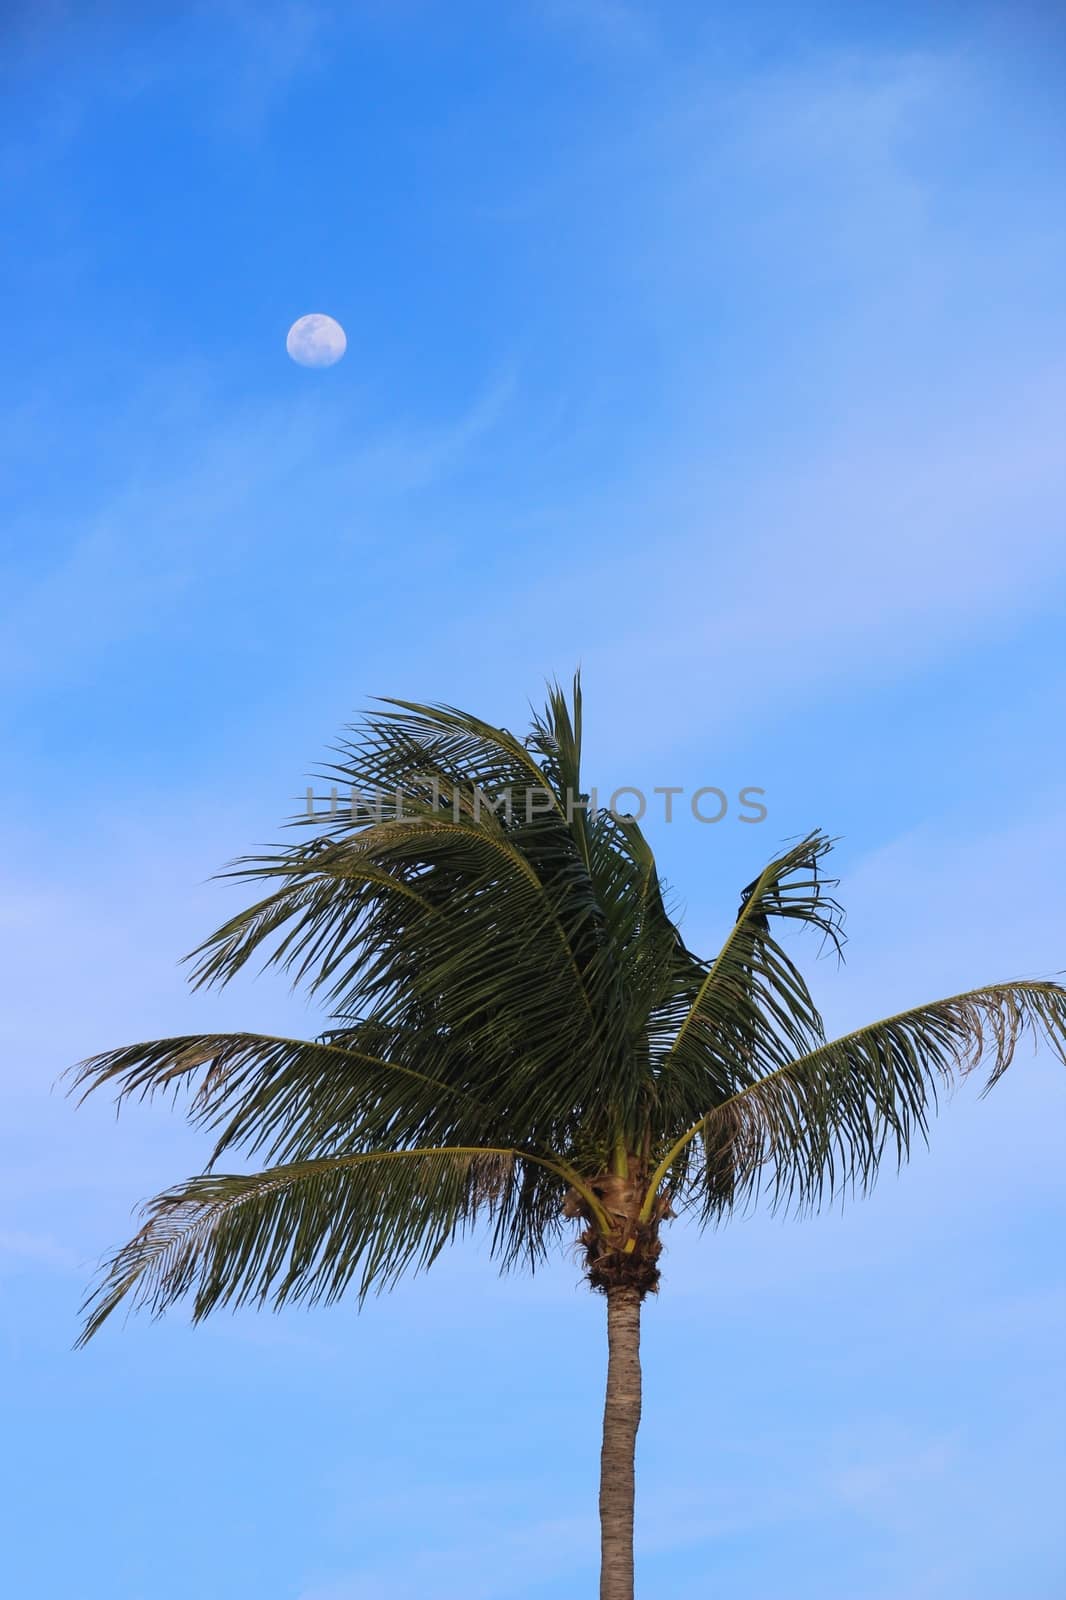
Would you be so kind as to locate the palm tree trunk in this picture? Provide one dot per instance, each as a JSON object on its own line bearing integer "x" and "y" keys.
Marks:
{"x": 621, "y": 1418}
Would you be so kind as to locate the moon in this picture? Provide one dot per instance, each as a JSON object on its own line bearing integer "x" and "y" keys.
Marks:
{"x": 316, "y": 341}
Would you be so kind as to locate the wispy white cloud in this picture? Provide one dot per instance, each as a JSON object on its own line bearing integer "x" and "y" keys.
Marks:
{"x": 527, "y": 1553}
{"x": 275, "y": 45}
{"x": 875, "y": 1470}
{"x": 177, "y": 521}
{"x": 940, "y": 910}
{"x": 241, "y": 60}
{"x": 37, "y": 1248}
{"x": 612, "y": 25}
{"x": 873, "y": 555}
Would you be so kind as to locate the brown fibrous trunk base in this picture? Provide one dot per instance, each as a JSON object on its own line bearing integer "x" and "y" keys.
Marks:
{"x": 625, "y": 1256}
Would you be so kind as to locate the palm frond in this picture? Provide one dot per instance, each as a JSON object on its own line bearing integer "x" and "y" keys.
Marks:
{"x": 488, "y": 950}
{"x": 820, "y": 1124}
{"x": 286, "y": 1098}
{"x": 752, "y": 1011}
{"x": 300, "y": 1232}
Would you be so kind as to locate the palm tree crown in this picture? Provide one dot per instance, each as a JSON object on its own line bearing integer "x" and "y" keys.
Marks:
{"x": 519, "y": 1035}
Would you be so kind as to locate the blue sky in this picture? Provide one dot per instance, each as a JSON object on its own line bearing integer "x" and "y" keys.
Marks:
{"x": 724, "y": 354}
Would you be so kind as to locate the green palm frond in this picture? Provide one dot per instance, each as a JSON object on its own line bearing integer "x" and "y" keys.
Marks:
{"x": 820, "y": 1124}
{"x": 302, "y": 1232}
{"x": 487, "y": 952}
{"x": 430, "y": 754}
{"x": 752, "y": 1012}
{"x": 288, "y": 1097}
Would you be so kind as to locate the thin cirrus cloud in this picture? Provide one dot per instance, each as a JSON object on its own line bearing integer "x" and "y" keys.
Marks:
{"x": 160, "y": 541}
{"x": 895, "y": 479}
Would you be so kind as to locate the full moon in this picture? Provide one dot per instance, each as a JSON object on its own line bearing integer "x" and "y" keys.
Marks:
{"x": 316, "y": 341}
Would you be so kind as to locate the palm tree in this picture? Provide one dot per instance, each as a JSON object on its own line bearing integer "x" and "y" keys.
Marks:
{"x": 519, "y": 1036}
